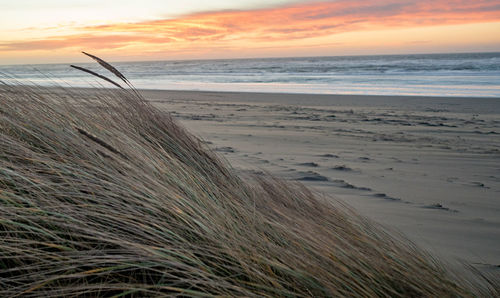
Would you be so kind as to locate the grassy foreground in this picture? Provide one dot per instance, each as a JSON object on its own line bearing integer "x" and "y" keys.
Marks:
{"x": 102, "y": 194}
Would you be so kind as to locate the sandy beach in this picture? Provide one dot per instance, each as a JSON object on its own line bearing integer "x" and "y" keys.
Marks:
{"x": 427, "y": 167}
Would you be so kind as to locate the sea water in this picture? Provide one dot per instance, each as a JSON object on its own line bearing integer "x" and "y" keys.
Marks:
{"x": 471, "y": 74}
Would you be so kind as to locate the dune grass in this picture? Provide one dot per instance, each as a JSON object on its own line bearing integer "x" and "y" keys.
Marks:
{"x": 102, "y": 194}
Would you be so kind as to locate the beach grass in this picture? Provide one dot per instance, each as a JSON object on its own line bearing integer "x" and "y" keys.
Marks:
{"x": 102, "y": 194}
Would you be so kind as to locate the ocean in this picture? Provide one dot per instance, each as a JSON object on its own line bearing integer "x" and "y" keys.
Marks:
{"x": 472, "y": 74}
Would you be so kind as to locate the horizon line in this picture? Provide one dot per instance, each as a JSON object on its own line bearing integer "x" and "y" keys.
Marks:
{"x": 270, "y": 57}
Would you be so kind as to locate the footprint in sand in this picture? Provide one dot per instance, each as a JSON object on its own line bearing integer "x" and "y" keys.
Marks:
{"x": 311, "y": 176}
{"x": 343, "y": 168}
{"x": 329, "y": 156}
{"x": 386, "y": 197}
{"x": 308, "y": 164}
{"x": 438, "y": 206}
{"x": 344, "y": 184}
{"x": 225, "y": 149}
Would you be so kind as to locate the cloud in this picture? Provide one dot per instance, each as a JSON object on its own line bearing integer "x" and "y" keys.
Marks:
{"x": 84, "y": 41}
{"x": 281, "y": 24}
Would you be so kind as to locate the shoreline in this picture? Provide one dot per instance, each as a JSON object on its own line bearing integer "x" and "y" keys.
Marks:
{"x": 449, "y": 75}
{"x": 456, "y": 104}
{"x": 278, "y": 97}
{"x": 308, "y": 94}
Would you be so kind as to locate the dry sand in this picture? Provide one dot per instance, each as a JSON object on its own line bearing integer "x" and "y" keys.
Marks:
{"x": 428, "y": 167}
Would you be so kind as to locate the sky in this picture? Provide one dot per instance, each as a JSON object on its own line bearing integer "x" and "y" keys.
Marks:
{"x": 51, "y": 31}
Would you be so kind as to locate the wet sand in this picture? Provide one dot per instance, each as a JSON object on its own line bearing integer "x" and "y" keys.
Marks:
{"x": 428, "y": 167}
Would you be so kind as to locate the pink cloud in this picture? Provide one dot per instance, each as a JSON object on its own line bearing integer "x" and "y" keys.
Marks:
{"x": 297, "y": 22}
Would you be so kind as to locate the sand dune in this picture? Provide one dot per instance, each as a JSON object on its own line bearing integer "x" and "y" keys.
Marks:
{"x": 429, "y": 167}
{"x": 105, "y": 195}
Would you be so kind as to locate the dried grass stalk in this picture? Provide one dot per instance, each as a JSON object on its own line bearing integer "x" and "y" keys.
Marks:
{"x": 151, "y": 211}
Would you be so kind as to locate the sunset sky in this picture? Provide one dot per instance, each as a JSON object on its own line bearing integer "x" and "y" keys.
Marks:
{"x": 33, "y": 31}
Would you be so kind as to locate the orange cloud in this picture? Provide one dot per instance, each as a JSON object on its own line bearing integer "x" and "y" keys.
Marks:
{"x": 268, "y": 27}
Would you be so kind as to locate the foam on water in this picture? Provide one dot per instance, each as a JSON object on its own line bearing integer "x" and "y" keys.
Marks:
{"x": 476, "y": 74}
